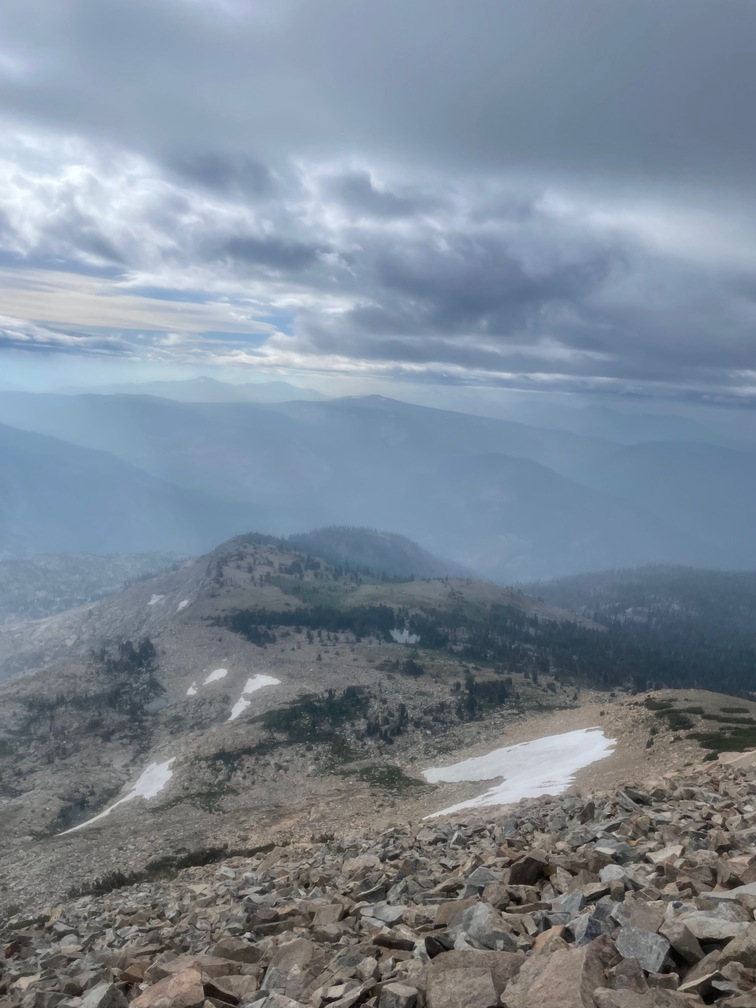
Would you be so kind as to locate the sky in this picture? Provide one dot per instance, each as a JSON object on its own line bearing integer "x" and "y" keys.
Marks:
{"x": 533, "y": 196}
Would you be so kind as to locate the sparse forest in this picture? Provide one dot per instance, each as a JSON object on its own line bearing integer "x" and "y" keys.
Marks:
{"x": 674, "y": 647}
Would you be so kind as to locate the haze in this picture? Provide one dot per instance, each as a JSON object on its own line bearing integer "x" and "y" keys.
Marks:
{"x": 478, "y": 274}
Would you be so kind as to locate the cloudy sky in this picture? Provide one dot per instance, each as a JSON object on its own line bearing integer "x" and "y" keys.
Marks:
{"x": 530, "y": 194}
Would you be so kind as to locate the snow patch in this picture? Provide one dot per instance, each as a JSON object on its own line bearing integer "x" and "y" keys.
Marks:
{"x": 531, "y": 769}
{"x": 182, "y": 605}
{"x": 252, "y": 686}
{"x": 219, "y": 673}
{"x": 151, "y": 782}
{"x": 404, "y": 636}
{"x": 214, "y": 676}
{"x": 155, "y": 599}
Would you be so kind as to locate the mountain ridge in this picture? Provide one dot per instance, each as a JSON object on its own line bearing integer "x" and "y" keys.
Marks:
{"x": 375, "y": 550}
{"x": 273, "y": 692}
{"x": 475, "y": 490}
{"x": 206, "y": 389}
{"x": 55, "y": 495}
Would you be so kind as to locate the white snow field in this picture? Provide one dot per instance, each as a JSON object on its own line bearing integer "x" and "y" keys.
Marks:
{"x": 219, "y": 673}
{"x": 252, "y": 686}
{"x": 155, "y": 599}
{"x": 544, "y": 766}
{"x": 151, "y": 782}
{"x": 192, "y": 691}
{"x": 182, "y": 605}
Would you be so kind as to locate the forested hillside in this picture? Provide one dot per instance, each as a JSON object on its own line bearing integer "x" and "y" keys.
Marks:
{"x": 684, "y": 627}
{"x": 694, "y": 635}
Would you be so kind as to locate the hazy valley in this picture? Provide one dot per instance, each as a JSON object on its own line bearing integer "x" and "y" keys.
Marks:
{"x": 504, "y": 499}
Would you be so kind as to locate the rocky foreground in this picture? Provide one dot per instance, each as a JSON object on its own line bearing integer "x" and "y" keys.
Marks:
{"x": 645, "y": 897}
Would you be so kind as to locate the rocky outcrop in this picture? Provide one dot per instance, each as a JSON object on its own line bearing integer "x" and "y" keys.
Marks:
{"x": 641, "y": 899}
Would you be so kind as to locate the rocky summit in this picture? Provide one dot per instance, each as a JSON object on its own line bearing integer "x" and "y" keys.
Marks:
{"x": 640, "y": 898}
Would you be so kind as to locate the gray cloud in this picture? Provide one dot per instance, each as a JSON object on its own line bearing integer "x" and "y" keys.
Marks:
{"x": 358, "y": 192}
{"x": 636, "y": 90}
{"x": 234, "y": 175}
{"x": 530, "y": 190}
{"x": 269, "y": 253}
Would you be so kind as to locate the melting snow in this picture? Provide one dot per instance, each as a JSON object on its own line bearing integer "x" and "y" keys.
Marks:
{"x": 151, "y": 782}
{"x": 155, "y": 599}
{"x": 252, "y": 686}
{"x": 219, "y": 673}
{"x": 182, "y": 605}
{"x": 192, "y": 691}
{"x": 531, "y": 769}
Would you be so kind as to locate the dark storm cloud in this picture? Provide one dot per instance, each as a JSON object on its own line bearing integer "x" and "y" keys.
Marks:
{"x": 536, "y": 188}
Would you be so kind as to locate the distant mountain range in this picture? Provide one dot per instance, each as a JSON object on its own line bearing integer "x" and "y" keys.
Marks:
{"x": 631, "y": 427}
{"x": 508, "y": 500}
{"x": 59, "y": 497}
{"x": 206, "y": 389}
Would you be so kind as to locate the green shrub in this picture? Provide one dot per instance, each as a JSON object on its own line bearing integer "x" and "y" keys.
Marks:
{"x": 677, "y": 720}
{"x": 657, "y": 705}
{"x": 728, "y": 719}
{"x": 734, "y": 740}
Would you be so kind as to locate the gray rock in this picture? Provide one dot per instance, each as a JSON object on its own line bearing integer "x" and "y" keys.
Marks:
{"x": 570, "y": 903}
{"x": 657, "y": 998}
{"x": 503, "y": 965}
{"x": 104, "y": 995}
{"x": 275, "y": 1000}
{"x": 397, "y": 995}
{"x": 385, "y": 913}
{"x": 742, "y": 948}
{"x": 560, "y": 975}
{"x": 612, "y": 872}
{"x": 729, "y": 895}
{"x": 461, "y": 988}
{"x": 708, "y": 928}
{"x": 648, "y": 949}
{"x": 478, "y": 879}
{"x": 385, "y": 919}
{"x": 586, "y": 927}
{"x": 486, "y": 926}
{"x": 682, "y": 940}
{"x": 529, "y": 869}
